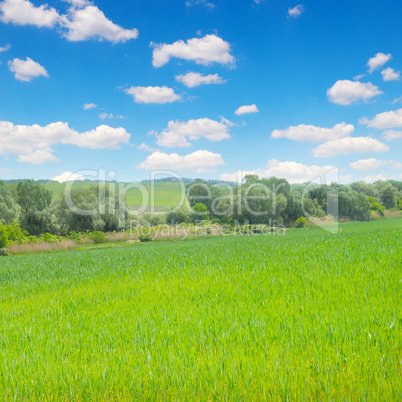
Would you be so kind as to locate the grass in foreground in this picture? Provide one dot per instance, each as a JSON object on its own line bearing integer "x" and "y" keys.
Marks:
{"x": 306, "y": 315}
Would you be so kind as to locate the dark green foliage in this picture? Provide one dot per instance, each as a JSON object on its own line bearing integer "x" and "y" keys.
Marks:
{"x": 9, "y": 209}
{"x": 32, "y": 196}
{"x": 388, "y": 196}
{"x": 176, "y": 215}
{"x": 3, "y": 236}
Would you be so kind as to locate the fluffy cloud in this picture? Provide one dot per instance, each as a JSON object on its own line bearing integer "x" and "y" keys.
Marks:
{"x": 32, "y": 144}
{"x": 5, "y": 48}
{"x": 146, "y": 148}
{"x": 294, "y": 172}
{"x": 38, "y": 157}
{"x": 373, "y": 179}
{"x": 192, "y": 80}
{"x": 384, "y": 120}
{"x": 200, "y": 161}
{"x": 367, "y": 164}
{"x": 389, "y": 74}
{"x": 378, "y": 61}
{"x": 345, "y": 92}
{"x": 83, "y": 20}
{"x": 349, "y": 145}
{"x": 391, "y": 135}
{"x": 295, "y": 11}
{"x": 157, "y": 95}
{"x": 68, "y": 176}
{"x": 177, "y": 133}
{"x": 23, "y": 12}
{"x": 90, "y": 22}
{"x": 88, "y": 106}
{"x": 314, "y": 134}
{"x": 246, "y": 109}
{"x": 206, "y": 50}
{"x": 25, "y": 70}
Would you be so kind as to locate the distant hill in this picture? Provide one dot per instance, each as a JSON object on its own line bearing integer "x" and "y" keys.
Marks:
{"x": 167, "y": 192}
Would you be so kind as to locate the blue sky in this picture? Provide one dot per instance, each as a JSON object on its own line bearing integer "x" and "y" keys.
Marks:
{"x": 167, "y": 78}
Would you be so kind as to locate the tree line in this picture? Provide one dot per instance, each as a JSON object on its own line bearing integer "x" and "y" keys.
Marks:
{"x": 267, "y": 201}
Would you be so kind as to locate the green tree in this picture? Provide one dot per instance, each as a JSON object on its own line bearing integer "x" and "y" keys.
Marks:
{"x": 3, "y": 236}
{"x": 32, "y": 196}
{"x": 176, "y": 214}
{"x": 9, "y": 209}
{"x": 200, "y": 212}
{"x": 388, "y": 195}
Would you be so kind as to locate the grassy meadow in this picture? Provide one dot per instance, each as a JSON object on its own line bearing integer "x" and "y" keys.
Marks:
{"x": 306, "y": 315}
{"x": 165, "y": 193}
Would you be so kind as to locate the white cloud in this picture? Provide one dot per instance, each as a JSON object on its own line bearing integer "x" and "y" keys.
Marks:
{"x": 192, "y": 80}
{"x": 83, "y": 20}
{"x": 397, "y": 100}
{"x": 389, "y": 74}
{"x": 90, "y": 22}
{"x": 68, "y": 176}
{"x": 5, "y": 48}
{"x": 373, "y": 179}
{"x": 391, "y": 135}
{"x": 206, "y": 50}
{"x": 23, "y": 12}
{"x": 384, "y": 120}
{"x": 38, "y": 157}
{"x": 33, "y": 143}
{"x": 296, "y": 11}
{"x": 349, "y": 145}
{"x": 157, "y": 95}
{"x": 104, "y": 116}
{"x": 146, "y": 148}
{"x": 200, "y": 161}
{"x": 88, "y": 106}
{"x": 314, "y": 134}
{"x": 190, "y": 3}
{"x": 177, "y": 133}
{"x": 25, "y": 70}
{"x": 378, "y": 61}
{"x": 345, "y": 92}
{"x": 246, "y": 109}
{"x": 358, "y": 77}
{"x": 294, "y": 172}
{"x": 367, "y": 164}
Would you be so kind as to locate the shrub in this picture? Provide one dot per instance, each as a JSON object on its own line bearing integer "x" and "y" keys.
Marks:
{"x": 4, "y": 252}
{"x": 98, "y": 237}
{"x": 301, "y": 222}
{"x": 3, "y": 236}
{"x": 145, "y": 235}
{"x": 49, "y": 238}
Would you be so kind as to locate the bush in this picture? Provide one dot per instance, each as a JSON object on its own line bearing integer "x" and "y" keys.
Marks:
{"x": 145, "y": 235}
{"x": 4, "y": 252}
{"x": 49, "y": 238}
{"x": 98, "y": 237}
{"x": 301, "y": 222}
{"x": 3, "y": 236}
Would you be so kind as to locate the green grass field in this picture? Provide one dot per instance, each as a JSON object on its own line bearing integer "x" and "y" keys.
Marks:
{"x": 165, "y": 193}
{"x": 308, "y": 315}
